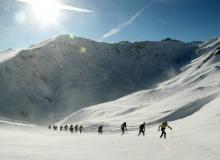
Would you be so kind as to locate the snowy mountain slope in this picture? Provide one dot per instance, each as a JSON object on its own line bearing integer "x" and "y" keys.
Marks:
{"x": 190, "y": 100}
{"x": 6, "y": 55}
{"x": 54, "y": 78}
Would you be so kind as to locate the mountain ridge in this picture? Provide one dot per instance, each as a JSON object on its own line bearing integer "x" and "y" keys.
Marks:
{"x": 63, "y": 74}
{"x": 192, "y": 94}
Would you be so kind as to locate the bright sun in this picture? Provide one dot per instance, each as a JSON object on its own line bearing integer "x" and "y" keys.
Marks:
{"x": 46, "y": 11}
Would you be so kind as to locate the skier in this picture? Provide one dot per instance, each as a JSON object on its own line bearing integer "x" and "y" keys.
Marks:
{"x": 125, "y": 125}
{"x": 54, "y": 127}
{"x": 61, "y": 128}
{"x": 142, "y": 129}
{"x": 100, "y": 129}
{"x": 49, "y": 127}
{"x": 81, "y": 129}
{"x": 71, "y": 128}
{"x": 65, "y": 127}
{"x": 76, "y": 128}
{"x": 123, "y": 128}
{"x": 163, "y": 128}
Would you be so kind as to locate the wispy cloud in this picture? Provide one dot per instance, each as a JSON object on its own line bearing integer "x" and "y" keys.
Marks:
{"x": 66, "y": 7}
{"x": 121, "y": 26}
{"x": 60, "y": 6}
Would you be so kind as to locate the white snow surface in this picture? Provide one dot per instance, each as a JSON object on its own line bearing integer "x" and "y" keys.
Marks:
{"x": 6, "y": 55}
{"x": 21, "y": 142}
{"x": 190, "y": 102}
{"x": 54, "y": 78}
{"x": 181, "y": 97}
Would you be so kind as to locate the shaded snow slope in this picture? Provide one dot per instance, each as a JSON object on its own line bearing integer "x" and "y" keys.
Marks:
{"x": 190, "y": 100}
{"x": 63, "y": 74}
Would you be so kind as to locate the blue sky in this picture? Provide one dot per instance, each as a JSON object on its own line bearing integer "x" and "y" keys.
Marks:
{"x": 112, "y": 21}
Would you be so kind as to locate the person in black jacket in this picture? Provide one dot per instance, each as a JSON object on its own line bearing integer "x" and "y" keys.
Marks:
{"x": 54, "y": 127}
{"x": 65, "y": 127}
{"x": 142, "y": 129}
{"x": 123, "y": 128}
{"x": 61, "y": 128}
{"x": 71, "y": 128}
{"x": 76, "y": 128}
{"x": 100, "y": 129}
{"x": 81, "y": 129}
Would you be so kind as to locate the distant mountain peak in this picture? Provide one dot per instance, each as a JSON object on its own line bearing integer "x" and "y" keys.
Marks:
{"x": 170, "y": 39}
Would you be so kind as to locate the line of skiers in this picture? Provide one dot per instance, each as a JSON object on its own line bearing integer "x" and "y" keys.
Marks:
{"x": 141, "y": 129}
{"x": 66, "y": 128}
{"x": 162, "y": 128}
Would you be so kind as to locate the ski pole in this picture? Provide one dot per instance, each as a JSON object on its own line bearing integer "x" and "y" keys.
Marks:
{"x": 172, "y": 133}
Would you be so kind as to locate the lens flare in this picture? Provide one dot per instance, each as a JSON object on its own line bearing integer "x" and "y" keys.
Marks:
{"x": 83, "y": 50}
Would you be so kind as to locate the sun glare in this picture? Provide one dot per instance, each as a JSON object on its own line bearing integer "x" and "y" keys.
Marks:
{"x": 46, "y": 11}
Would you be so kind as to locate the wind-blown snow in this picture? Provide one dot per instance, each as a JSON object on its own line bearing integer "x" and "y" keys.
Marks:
{"x": 52, "y": 79}
{"x": 6, "y": 55}
{"x": 182, "y": 97}
{"x": 190, "y": 102}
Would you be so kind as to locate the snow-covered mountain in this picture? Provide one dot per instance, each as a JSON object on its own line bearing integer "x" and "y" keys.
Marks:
{"x": 52, "y": 79}
{"x": 191, "y": 100}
